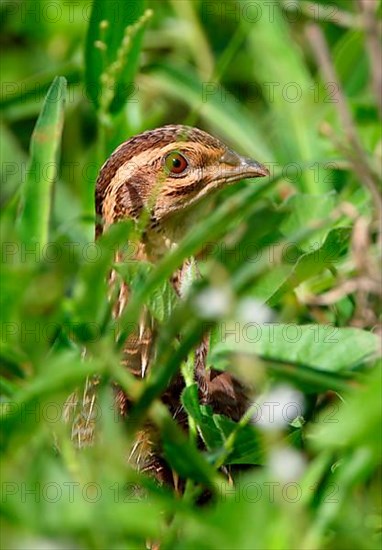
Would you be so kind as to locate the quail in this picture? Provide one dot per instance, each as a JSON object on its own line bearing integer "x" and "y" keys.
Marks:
{"x": 166, "y": 176}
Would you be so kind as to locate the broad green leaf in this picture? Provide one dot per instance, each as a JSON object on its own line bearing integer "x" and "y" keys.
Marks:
{"x": 162, "y": 299}
{"x": 215, "y": 429}
{"x": 321, "y": 347}
{"x": 203, "y": 416}
{"x": 190, "y": 401}
{"x": 182, "y": 455}
{"x": 162, "y": 302}
{"x": 247, "y": 444}
{"x": 42, "y": 173}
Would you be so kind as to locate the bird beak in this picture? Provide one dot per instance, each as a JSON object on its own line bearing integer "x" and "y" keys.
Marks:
{"x": 235, "y": 167}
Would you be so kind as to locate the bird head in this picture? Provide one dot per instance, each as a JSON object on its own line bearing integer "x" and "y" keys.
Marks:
{"x": 165, "y": 171}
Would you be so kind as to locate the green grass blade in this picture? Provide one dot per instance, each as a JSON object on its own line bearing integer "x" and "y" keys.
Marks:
{"x": 288, "y": 87}
{"x": 216, "y": 225}
{"x": 42, "y": 173}
{"x": 106, "y": 32}
{"x": 231, "y": 120}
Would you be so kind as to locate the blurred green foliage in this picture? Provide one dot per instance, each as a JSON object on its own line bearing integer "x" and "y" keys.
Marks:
{"x": 290, "y": 264}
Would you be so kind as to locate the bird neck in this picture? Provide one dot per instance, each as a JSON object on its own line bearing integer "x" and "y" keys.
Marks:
{"x": 166, "y": 235}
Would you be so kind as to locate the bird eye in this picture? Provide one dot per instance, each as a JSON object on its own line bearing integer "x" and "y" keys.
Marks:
{"x": 175, "y": 163}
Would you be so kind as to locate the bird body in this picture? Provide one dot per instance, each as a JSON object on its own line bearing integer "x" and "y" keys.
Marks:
{"x": 162, "y": 179}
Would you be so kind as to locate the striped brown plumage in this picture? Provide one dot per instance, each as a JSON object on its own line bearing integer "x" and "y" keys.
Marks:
{"x": 144, "y": 179}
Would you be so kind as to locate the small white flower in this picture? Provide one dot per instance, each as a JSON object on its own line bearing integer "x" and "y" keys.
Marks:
{"x": 277, "y": 408}
{"x": 287, "y": 464}
{"x": 251, "y": 310}
{"x": 213, "y": 302}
